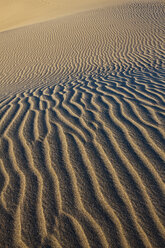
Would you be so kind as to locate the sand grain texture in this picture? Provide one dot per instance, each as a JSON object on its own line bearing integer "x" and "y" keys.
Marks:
{"x": 82, "y": 130}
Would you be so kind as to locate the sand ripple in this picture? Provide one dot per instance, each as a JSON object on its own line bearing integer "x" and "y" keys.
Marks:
{"x": 82, "y": 131}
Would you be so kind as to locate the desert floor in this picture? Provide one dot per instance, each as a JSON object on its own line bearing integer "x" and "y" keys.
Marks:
{"x": 82, "y": 124}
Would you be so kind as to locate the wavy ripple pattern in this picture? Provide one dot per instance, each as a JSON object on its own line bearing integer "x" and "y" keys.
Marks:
{"x": 82, "y": 160}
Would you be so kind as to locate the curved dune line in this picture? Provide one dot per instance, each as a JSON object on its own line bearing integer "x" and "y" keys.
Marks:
{"x": 40, "y": 153}
{"x": 55, "y": 98}
{"x": 6, "y": 101}
{"x": 88, "y": 127}
{"x": 154, "y": 97}
{"x": 10, "y": 192}
{"x": 70, "y": 124}
{"x": 52, "y": 171}
{"x": 138, "y": 180}
{"x": 152, "y": 110}
{"x": 49, "y": 101}
{"x": 125, "y": 197}
{"x": 36, "y": 133}
{"x": 86, "y": 99}
{"x": 139, "y": 118}
{"x": 82, "y": 130}
{"x": 132, "y": 92}
{"x": 118, "y": 185}
{"x": 29, "y": 130}
{"x": 116, "y": 145}
{"x": 143, "y": 128}
{"x": 142, "y": 156}
{"x": 34, "y": 102}
{"x": 126, "y": 91}
{"x": 70, "y": 105}
{"x": 110, "y": 172}
{"x": 92, "y": 198}
{"x": 13, "y": 203}
{"x": 78, "y": 103}
{"x": 17, "y": 231}
{"x": 55, "y": 242}
{"x": 40, "y": 214}
{"x": 34, "y": 106}
{"x": 124, "y": 39}
{"x": 7, "y": 118}
{"x": 69, "y": 108}
{"x": 54, "y": 176}
{"x": 80, "y": 120}
{"x": 157, "y": 94}
{"x": 92, "y": 222}
{"x": 83, "y": 111}
{"x": 76, "y": 192}
{"x": 121, "y": 88}
{"x": 79, "y": 231}
{"x": 145, "y": 131}
{"x": 120, "y": 153}
{"x": 120, "y": 189}
{"x": 6, "y": 183}
{"x": 12, "y": 153}
{"x": 2, "y": 112}
{"x": 58, "y": 118}
{"x": 17, "y": 218}
{"x": 59, "y": 165}
{"x": 140, "y": 125}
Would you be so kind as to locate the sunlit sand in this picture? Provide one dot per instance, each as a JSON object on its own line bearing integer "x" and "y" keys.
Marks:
{"x": 82, "y": 124}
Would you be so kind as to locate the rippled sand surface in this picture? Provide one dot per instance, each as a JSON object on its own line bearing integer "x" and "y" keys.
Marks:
{"x": 82, "y": 130}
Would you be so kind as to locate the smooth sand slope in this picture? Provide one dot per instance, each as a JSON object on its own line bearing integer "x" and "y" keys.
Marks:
{"x": 15, "y": 13}
{"x": 82, "y": 130}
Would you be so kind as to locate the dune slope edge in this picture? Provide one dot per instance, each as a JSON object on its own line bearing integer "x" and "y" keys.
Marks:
{"x": 82, "y": 130}
{"x": 17, "y": 13}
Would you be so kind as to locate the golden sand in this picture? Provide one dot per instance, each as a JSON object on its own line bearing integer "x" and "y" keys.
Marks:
{"x": 82, "y": 125}
{"x": 16, "y": 13}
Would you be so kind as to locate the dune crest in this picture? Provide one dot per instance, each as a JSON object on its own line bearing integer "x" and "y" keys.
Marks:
{"x": 82, "y": 130}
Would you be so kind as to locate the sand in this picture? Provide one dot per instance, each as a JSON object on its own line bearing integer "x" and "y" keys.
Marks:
{"x": 17, "y": 13}
{"x": 82, "y": 124}
{"x": 23, "y": 12}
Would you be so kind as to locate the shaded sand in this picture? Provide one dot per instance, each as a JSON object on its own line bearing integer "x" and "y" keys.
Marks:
{"x": 82, "y": 130}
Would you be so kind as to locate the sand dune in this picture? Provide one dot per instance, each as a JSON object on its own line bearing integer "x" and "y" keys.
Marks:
{"x": 82, "y": 130}
{"x": 18, "y": 13}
